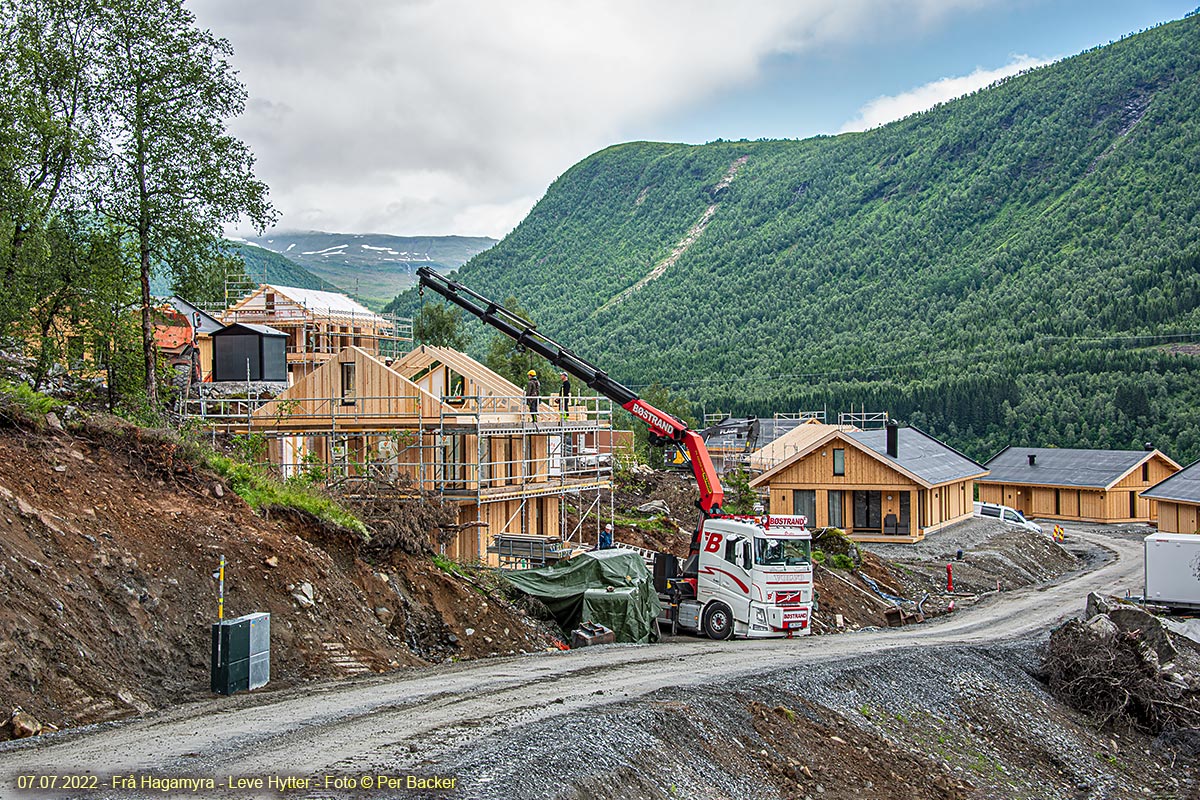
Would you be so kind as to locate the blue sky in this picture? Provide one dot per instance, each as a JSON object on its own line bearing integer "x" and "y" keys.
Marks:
{"x": 453, "y": 116}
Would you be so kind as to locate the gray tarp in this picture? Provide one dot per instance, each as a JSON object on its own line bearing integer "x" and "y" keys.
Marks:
{"x": 575, "y": 591}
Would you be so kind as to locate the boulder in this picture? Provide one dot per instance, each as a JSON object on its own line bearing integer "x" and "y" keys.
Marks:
{"x": 1131, "y": 619}
{"x": 1101, "y": 627}
{"x": 1096, "y": 604}
{"x": 654, "y": 507}
{"x": 385, "y": 615}
{"x": 24, "y": 724}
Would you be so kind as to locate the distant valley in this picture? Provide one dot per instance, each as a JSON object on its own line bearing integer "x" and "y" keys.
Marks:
{"x": 374, "y": 267}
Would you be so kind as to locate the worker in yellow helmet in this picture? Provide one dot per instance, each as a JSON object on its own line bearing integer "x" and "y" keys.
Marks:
{"x": 533, "y": 393}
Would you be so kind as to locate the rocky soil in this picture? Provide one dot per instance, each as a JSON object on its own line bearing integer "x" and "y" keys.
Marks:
{"x": 944, "y": 722}
{"x": 109, "y": 547}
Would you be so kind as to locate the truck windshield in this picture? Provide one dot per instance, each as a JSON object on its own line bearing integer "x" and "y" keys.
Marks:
{"x": 782, "y": 552}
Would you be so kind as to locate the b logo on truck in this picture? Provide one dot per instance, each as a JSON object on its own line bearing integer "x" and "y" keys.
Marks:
{"x": 713, "y": 544}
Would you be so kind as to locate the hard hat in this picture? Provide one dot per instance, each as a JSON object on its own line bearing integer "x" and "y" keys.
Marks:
{"x": 533, "y": 373}
{"x": 608, "y": 527}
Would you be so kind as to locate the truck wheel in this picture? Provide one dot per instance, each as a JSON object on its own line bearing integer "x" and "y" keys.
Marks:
{"x": 718, "y": 621}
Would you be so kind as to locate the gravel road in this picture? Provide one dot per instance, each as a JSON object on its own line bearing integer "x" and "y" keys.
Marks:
{"x": 405, "y": 720}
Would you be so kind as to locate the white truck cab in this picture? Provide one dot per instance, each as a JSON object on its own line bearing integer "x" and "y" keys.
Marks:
{"x": 754, "y": 579}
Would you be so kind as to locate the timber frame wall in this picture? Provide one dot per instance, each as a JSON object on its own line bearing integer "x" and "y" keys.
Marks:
{"x": 364, "y": 427}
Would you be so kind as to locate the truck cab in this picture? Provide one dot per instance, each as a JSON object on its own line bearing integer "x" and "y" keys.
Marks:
{"x": 753, "y": 578}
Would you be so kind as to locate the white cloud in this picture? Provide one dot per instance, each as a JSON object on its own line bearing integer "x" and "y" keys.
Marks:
{"x": 415, "y": 116}
{"x": 885, "y": 109}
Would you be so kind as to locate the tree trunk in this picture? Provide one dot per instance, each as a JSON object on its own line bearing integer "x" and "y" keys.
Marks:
{"x": 149, "y": 351}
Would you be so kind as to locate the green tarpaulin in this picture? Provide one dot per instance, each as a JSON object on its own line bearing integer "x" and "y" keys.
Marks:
{"x": 576, "y": 590}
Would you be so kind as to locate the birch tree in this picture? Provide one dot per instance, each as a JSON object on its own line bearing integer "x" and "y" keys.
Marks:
{"x": 173, "y": 174}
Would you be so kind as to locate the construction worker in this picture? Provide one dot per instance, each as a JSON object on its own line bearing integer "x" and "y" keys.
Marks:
{"x": 606, "y": 537}
{"x": 564, "y": 394}
{"x": 533, "y": 391}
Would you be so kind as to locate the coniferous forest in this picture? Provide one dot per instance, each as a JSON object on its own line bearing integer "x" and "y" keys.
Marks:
{"x": 1018, "y": 266}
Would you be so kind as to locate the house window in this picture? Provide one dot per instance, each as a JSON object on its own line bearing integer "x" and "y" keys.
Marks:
{"x": 839, "y": 461}
{"x": 269, "y": 302}
{"x": 348, "y": 384}
{"x": 835, "y": 509}
{"x": 1146, "y": 472}
{"x": 868, "y": 514}
{"x": 804, "y": 502}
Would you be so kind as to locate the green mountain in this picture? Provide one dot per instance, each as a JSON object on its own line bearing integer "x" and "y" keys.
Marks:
{"x": 267, "y": 266}
{"x": 373, "y": 267}
{"x": 1012, "y": 267}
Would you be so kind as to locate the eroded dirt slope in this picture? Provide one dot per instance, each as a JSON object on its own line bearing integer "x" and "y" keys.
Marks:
{"x": 108, "y": 550}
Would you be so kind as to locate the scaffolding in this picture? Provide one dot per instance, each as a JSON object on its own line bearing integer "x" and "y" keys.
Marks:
{"x": 487, "y": 454}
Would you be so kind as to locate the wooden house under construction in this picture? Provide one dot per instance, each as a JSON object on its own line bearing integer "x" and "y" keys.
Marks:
{"x": 437, "y": 421}
{"x": 319, "y": 325}
{"x": 1082, "y": 485}
{"x": 887, "y": 485}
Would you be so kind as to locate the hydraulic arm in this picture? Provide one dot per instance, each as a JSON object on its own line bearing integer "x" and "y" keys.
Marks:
{"x": 664, "y": 428}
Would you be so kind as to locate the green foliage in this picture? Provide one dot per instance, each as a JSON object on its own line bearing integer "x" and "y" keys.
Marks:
{"x": 739, "y": 497}
{"x": 505, "y": 357}
{"x": 840, "y": 561}
{"x": 22, "y": 405}
{"x": 441, "y": 325}
{"x": 261, "y": 491}
{"x": 447, "y": 565}
{"x": 966, "y": 268}
{"x": 818, "y": 556}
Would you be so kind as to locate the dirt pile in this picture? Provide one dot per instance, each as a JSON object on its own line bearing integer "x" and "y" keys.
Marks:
{"x": 108, "y": 548}
{"x": 1124, "y": 667}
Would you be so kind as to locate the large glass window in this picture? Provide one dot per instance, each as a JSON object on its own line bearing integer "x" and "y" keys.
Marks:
{"x": 867, "y": 512}
{"x": 348, "y": 383}
{"x": 835, "y": 510}
{"x": 839, "y": 461}
{"x": 804, "y": 502}
{"x": 782, "y": 552}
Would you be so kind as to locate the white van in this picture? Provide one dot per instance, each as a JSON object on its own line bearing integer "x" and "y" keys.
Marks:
{"x": 1007, "y": 515}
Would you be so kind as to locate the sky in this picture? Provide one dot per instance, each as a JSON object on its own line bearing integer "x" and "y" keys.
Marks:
{"x": 438, "y": 117}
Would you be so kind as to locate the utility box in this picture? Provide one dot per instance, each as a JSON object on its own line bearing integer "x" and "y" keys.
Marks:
{"x": 1173, "y": 569}
{"x": 241, "y": 653}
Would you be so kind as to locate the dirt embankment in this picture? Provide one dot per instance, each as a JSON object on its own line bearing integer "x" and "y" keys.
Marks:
{"x": 108, "y": 552}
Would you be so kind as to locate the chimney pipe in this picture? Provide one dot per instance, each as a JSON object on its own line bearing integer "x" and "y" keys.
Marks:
{"x": 1032, "y": 459}
{"x": 893, "y": 438}
{"x": 1149, "y": 446}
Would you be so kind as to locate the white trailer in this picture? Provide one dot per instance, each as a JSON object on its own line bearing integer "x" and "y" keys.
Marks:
{"x": 1173, "y": 569}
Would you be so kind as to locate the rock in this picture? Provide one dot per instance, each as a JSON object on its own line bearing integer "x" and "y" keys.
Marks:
{"x": 654, "y": 507}
{"x": 60, "y": 468}
{"x": 218, "y": 490}
{"x": 53, "y": 422}
{"x": 1102, "y": 628}
{"x": 1096, "y": 604}
{"x": 469, "y": 631}
{"x": 272, "y": 562}
{"x": 24, "y": 724}
{"x": 305, "y": 602}
{"x": 306, "y": 589}
{"x": 385, "y": 615}
{"x": 641, "y": 470}
{"x": 1130, "y": 618}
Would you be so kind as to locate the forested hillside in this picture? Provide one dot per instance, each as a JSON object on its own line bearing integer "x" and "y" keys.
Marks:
{"x": 1010, "y": 267}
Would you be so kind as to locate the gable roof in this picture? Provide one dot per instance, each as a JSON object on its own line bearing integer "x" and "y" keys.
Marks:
{"x": 789, "y": 444}
{"x": 930, "y": 459}
{"x": 1064, "y": 466}
{"x": 422, "y": 356}
{"x": 208, "y": 323}
{"x": 1183, "y": 486}
{"x": 320, "y": 303}
{"x": 920, "y": 456}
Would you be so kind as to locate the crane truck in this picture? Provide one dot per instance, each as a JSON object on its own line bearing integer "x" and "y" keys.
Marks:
{"x": 746, "y": 576}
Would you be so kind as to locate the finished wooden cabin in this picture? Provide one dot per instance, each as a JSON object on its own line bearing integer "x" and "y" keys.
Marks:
{"x": 1103, "y": 486}
{"x": 887, "y": 485}
{"x": 1178, "y": 500}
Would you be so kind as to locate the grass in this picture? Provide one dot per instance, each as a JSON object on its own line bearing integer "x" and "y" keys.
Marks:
{"x": 448, "y": 566}
{"x": 262, "y": 491}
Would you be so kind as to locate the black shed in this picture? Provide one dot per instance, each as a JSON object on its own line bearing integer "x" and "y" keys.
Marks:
{"x": 243, "y": 348}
